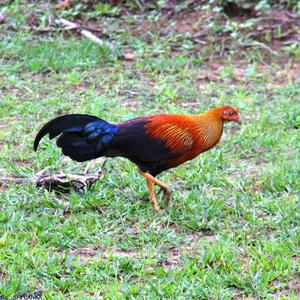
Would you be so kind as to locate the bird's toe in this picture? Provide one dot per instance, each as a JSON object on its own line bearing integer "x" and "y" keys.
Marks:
{"x": 156, "y": 208}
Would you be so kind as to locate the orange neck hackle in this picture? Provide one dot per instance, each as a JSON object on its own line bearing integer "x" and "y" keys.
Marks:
{"x": 209, "y": 128}
{"x": 210, "y": 125}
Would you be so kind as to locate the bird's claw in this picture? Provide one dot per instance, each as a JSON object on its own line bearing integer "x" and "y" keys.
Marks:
{"x": 156, "y": 208}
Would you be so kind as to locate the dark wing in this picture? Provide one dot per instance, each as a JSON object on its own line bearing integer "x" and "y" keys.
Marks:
{"x": 134, "y": 142}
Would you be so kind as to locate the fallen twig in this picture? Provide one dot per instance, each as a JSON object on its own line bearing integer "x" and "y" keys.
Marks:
{"x": 71, "y": 26}
{"x": 66, "y": 181}
{"x": 190, "y": 104}
{"x": 55, "y": 29}
{"x": 5, "y": 179}
{"x": 64, "y": 4}
{"x": 43, "y": 30}
{"x": 2, "y": 18}
{"x": 60, "y": 181}
{"x": 89, "y": 166}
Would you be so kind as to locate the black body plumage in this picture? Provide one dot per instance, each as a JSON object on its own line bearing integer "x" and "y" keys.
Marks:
{"x": 85, "y": 137}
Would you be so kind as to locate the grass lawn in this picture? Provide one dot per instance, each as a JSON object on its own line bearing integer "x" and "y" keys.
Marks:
{"x": 231, "y": 228}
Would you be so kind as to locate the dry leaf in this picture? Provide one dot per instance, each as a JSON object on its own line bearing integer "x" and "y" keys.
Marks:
{"x": 2, "y": 19}
{"x": 64, "y": 4}
{"x": 129, "y": 56}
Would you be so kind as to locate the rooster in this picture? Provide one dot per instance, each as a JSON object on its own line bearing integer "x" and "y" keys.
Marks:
{"x": 155, "y": 143}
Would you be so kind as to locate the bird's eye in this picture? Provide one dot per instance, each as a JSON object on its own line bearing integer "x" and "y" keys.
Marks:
{"x": 231, "y": 113}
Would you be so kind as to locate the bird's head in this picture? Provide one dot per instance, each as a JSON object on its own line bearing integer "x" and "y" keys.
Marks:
{"x": 230, "y": 114}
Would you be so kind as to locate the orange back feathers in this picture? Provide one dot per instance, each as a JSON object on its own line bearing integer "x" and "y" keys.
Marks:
{"x": 175, "y": 130}
{"x": 181, "y": 133}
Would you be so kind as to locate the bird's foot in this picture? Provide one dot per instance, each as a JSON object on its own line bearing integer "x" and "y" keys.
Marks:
{"x": 156, "y": 208}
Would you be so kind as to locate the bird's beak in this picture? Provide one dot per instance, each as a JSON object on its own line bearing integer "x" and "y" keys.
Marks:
{"x": 238, "y": 120}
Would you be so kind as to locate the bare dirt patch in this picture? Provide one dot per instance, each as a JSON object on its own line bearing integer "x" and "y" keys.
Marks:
{"x": 122, "y": 253}
{"x": 274, "y": 28}
{"x": 3, "y": 186}
{"x": 292, "y": 287}
{"x": 88, "y": 253}
{"x": 83, "y": 253}
{"x": 189, "y": 248}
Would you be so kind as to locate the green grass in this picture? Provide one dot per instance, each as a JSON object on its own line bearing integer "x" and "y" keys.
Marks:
{"x": 231, "y": 228}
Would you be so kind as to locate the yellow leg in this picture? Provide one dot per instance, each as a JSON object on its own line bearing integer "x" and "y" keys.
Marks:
{"x": 150, "y": 186}
{"x": 152, "y": 179}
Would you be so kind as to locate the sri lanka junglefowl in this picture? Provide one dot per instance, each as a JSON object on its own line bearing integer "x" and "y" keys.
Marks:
{"x": 154, "y": 143}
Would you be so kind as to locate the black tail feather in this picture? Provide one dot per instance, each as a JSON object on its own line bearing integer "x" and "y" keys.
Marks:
{"x": 58, "y": 125}
{"x": 81, "y": 137}
{"x": 76, "y": 147}
{"x": 80, "y": 154}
